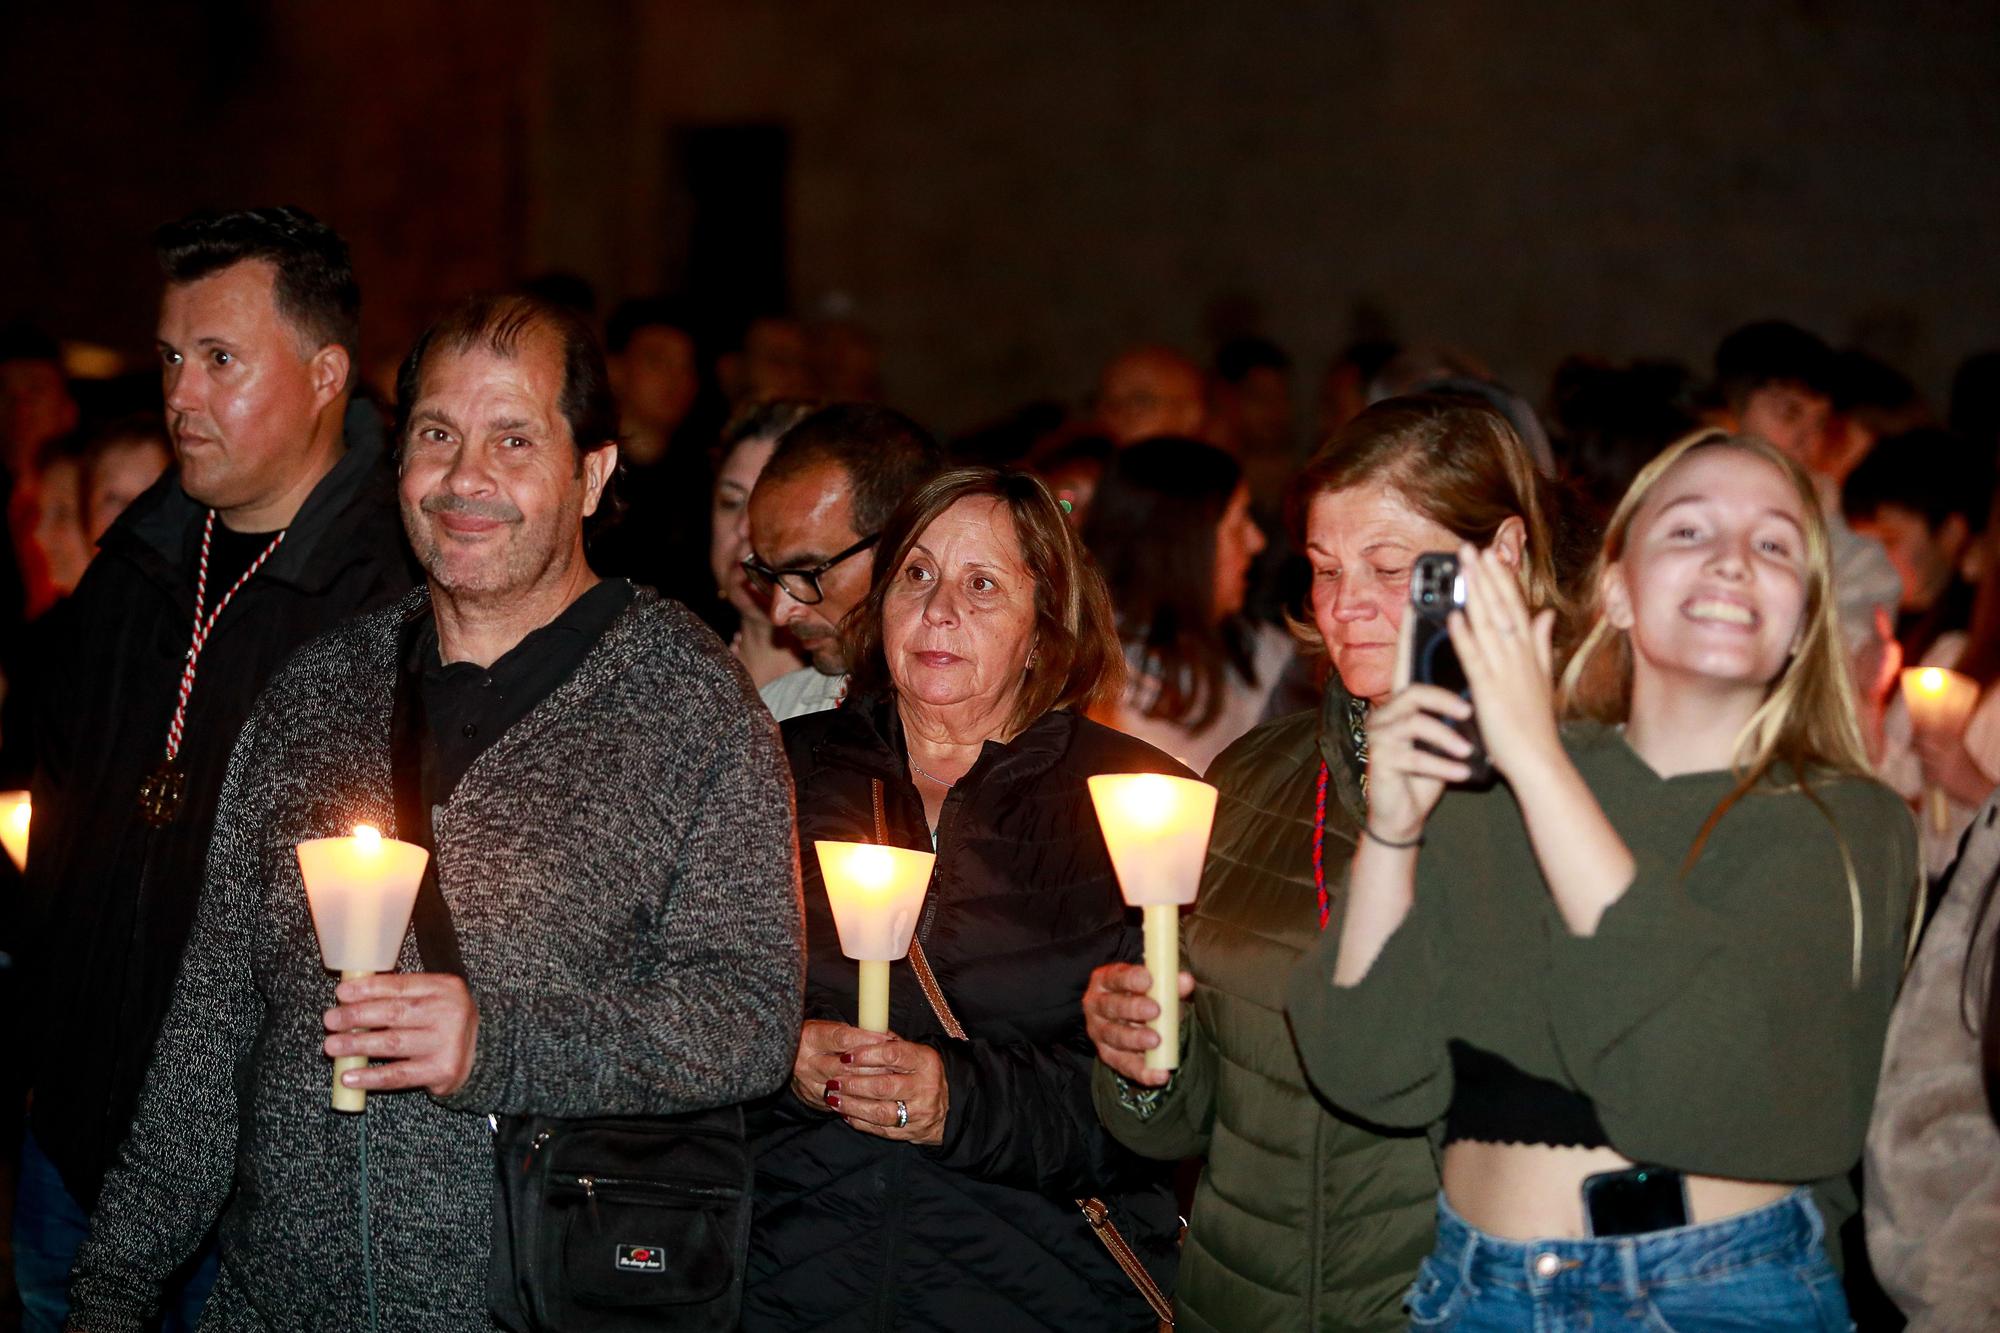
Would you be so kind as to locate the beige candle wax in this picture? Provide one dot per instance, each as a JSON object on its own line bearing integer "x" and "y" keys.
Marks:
{"x": 360, "y": 890}
{"x": 1156, "y": 828}
{"x": 876, "y": 893}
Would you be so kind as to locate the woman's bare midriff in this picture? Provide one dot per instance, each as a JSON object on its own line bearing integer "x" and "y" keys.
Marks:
{"x": 1533, "y": 1191}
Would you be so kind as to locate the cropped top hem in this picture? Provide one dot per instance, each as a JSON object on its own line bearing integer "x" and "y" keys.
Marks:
{"x": 1494, "y": 1101}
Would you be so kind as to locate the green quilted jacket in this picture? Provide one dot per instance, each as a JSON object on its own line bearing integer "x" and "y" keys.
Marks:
{"x": 1303, "y": 1219}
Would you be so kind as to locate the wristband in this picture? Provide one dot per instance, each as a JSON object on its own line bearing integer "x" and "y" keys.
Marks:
{"x": 1415, "y": 842}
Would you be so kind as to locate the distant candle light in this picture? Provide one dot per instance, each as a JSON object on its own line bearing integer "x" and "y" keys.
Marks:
{"x": 15, "y": 815}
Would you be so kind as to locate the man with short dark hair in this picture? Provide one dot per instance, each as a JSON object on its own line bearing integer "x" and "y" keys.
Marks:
{"x": 1924, "y": 495}
{"x": 815, "y": 513}
{"x": 612, "y": 834}
{"x": 1776, "y": 381}
{"x": 278, "y": 522}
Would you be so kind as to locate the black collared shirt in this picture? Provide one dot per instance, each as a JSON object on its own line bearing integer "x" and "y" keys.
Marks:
{"x": 467, "y": 707}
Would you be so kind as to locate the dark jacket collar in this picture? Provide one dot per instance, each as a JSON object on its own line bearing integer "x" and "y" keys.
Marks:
{"x": 868, "y": 738}
{"x": 165, "y": 523}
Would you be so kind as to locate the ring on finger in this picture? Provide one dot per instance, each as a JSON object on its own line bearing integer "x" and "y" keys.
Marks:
{"x": 902, "y": 1115}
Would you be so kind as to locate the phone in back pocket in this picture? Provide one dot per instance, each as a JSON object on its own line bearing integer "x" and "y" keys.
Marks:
{"x": 1437, "y": 588}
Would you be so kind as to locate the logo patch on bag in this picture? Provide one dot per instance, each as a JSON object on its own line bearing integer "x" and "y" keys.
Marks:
{"x": 641, "y": 1259}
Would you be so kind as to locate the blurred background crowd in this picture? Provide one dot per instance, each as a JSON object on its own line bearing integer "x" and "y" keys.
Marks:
{"x": 1050, "y": 232}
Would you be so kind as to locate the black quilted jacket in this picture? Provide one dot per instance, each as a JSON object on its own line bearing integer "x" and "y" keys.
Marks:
{"x": 979, "y": 1232}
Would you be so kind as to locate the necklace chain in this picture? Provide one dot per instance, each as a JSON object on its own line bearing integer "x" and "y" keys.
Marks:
{"x": 932, "y": 776}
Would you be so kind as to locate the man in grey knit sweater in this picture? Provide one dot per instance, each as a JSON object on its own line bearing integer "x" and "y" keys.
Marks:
{"x": 614, "y": 837}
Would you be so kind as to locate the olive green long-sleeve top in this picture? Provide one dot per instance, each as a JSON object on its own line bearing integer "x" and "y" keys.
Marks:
{"x": 1726, "y": 1018}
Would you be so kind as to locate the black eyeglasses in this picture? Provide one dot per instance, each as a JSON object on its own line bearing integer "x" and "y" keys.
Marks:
{"x": 802, "y": 585}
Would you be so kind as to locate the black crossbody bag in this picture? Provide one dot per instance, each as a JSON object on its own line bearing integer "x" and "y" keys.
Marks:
{"x": 619, "y": 1224}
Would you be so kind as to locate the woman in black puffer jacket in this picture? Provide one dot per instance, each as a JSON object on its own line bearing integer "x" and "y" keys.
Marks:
{"x": 926, "y": 1181}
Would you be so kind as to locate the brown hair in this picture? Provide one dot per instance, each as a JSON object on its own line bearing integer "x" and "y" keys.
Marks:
{"x": 1076, "y": 663}
{"x": 1454, "y": 460}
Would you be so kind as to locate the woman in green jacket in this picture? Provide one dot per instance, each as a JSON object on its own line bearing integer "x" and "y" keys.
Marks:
{"x": 1645, "y": 980}
{"x": 1305, "y": 1218}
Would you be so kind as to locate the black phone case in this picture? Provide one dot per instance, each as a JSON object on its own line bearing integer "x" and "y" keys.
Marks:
{"x": 1433, "y": 661}
{"x": 1635, "y": 1201}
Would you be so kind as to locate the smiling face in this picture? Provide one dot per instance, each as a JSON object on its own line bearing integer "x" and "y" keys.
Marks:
{"x": 958, "y": 621}
{"x": 493, "y": 489}
{"x": 243, "y": 393}
{"x": 1361, "y": 542}
{"x": 1711, "y": 588}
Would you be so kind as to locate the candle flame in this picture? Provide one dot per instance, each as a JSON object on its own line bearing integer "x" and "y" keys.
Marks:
{"x": 367, "y": 838}
{"x": 1149, "y": 801}
{"x": 14, "y": 816}
{"x": 1931, "y": 680}
{"x": 869, "y": 867}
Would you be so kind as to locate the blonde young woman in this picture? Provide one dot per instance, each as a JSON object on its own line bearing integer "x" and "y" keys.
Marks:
{"x": 1644, "y": 981}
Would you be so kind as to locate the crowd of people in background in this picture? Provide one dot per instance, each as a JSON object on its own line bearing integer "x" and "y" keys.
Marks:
{"x": 1705, "y": 897}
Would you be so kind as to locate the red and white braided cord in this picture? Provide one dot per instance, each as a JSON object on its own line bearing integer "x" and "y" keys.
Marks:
{"x": 204, "y": 626}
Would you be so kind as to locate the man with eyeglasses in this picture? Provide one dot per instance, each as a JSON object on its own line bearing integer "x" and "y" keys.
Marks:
{"x": 818, "y": 506}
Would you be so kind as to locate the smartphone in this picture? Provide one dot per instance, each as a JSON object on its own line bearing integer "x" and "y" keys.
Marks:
{"x": 1634, "y": 1201}
{"x": 1437, "y": 588}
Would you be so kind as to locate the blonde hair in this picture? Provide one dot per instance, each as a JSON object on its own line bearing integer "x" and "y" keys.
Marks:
{"x": 1807, "y": 721}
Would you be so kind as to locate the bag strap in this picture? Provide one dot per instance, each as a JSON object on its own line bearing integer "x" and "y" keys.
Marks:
{"x": 1095, "y": 1211}
{"x": 437, "y": 937}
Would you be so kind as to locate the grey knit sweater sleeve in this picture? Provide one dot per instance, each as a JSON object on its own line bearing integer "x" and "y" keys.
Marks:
{"x": 713, "y": 1014}
{"x": 163, "y": 1196}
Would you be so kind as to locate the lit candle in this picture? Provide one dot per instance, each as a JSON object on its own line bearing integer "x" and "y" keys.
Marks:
{"x": 1940, "y": 704}
{"x": 14, "y": 817}
{"x": 1156, "y": 828}
{"x": 360, "y": 890}
{"x": 876, "y": 893}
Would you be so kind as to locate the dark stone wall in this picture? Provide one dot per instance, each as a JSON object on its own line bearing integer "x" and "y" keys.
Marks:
{"x": 1008, "y": 191}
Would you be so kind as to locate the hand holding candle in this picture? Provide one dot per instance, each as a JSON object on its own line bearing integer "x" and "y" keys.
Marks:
{"x": 1940, "y": 704}
{"x": 14, "y": 816}
{"x": 876, "y": 893}
{"x": 1156, "y": 828}
{"x": 360, "y": 890}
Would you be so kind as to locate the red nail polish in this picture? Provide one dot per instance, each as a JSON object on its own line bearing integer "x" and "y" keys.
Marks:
{"x": 833, "y": 1085}
{"x": 847, "y": 1057}
{"x": 833, "y": 1100}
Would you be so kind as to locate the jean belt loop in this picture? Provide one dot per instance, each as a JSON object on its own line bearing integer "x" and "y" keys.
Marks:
{"x": 1467, "y": 1255}
{"x": 1628, "y": 1269}
{"x": 1804, "y": 1201}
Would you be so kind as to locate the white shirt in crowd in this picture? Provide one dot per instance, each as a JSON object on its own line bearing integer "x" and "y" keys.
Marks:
{"x": 1864, "y": 579}
{"x": 807, "y": 690}
{"x": 1900, "y": 768}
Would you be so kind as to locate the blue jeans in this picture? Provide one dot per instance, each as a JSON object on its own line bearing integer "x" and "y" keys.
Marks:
{"x": 49, "y": 1228}
{"x": 1764, "y": 1269}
